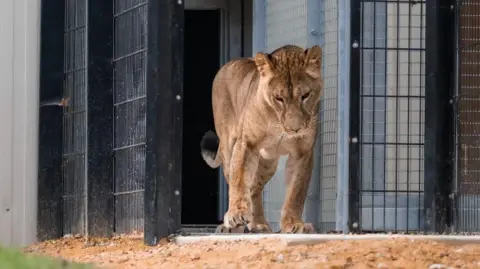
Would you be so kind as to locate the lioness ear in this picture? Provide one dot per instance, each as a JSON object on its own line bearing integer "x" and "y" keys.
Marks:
{"x": 264, "y": 65}
{"x": 313, "y": 61}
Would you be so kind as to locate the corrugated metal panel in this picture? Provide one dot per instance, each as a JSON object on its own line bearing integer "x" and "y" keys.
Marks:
{"x": 19, "y": 75}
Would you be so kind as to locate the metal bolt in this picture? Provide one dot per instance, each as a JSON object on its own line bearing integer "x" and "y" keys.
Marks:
{"x": 452, "y": 7}
{"x": 178, "y": 97}
{"x": 7, "y": 209}
{"x": 451, "y": 101}
{"x": 177, "y": 193}
{"x": 179, "y": 2}
{"x": 355, "y": 225}
{"x": 355, "y": 44}
{"x": 313, "y": 32}
{"x": 354, "y": 139}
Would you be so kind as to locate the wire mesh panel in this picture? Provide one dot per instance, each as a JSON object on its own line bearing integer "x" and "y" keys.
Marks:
{"x": 468, "y": 118}
{"x": 391, "y": 98}
{"x": 328, "y": 129}
{"x": 130, "y": 23}
{"x": 75, "y": 131}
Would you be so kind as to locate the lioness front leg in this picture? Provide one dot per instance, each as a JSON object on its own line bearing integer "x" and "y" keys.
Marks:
{"x": 242, "y": 167}
{"x": 298, "y": 173}
{"x": 265, "y": 171}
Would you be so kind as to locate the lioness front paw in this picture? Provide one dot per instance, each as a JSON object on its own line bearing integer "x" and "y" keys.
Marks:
{"x": 237, "y": 217}
{"x": 298, "y": 228}
{"x": 221, "y": 229}
{"x": 259, "y": 228}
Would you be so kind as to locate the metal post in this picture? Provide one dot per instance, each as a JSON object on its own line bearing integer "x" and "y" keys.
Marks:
{"x": 438, "y": 109}
{"x": 354, "y": 170}
{"x": 164, "y": 119}
{"x": 343, "y": 102}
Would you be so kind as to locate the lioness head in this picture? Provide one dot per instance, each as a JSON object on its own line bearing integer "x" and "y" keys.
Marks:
{"x": 291, "y": 84}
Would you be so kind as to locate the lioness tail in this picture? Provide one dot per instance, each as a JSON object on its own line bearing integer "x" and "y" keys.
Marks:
{"x": 209, "y": 148}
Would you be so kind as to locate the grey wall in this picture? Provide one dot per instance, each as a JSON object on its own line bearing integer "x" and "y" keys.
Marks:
{"x": 19, "y": 105}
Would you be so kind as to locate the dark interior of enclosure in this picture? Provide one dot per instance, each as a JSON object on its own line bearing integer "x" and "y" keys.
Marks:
{"x": 202, "y": 59}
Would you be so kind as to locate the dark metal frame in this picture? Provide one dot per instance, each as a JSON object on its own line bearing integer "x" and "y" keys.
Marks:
{"x": 164, "y": 119}
{"x": 354, "y": 162}
{"x": 438, "y": 115}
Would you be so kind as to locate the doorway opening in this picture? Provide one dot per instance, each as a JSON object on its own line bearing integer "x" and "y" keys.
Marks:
{"x": 200, "y": 184}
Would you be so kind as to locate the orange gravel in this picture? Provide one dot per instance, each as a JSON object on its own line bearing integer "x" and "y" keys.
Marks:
{"x": 129, "y": 252}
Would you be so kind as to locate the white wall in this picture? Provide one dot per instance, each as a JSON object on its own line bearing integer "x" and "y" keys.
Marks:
{"x": 19, "y": 94}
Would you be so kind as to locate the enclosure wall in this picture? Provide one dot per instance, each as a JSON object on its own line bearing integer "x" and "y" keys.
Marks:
{"x": 19, "y": 105}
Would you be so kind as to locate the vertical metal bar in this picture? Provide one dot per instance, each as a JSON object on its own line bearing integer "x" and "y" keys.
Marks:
{"x": 312, "y": 203}
{"x": 397, "y": 114}
{"x": 100, "y": 118}
{"x": 164, "y": 119}
{"x": 343, "y": 117}
{"x": 222, "y": 183}
{"x": 374, "y": 93}
{"x": 354, "y": 165}
{"x": 50, "y": 210}
{"x": 456, "y": 145}
{"x": 85, "y": 163}
{"x": 385, "y": 126}
{"x": 408, "y": 110}
{"x": 437, "y": 109}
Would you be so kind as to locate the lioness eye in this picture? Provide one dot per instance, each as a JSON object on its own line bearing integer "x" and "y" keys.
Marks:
{"x": 305, "y": 96}
{"x": 279, "y": 99}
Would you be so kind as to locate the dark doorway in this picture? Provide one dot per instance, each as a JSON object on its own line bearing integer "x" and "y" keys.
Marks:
{"x": 202, "y": 61}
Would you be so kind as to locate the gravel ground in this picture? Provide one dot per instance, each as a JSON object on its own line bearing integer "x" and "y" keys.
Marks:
{"x": 124, "y": 252}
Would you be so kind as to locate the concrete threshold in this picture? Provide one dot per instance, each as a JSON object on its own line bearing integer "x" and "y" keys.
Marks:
{"x": 294, "y": 239}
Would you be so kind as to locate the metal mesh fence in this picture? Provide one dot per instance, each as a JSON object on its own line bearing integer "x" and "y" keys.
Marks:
{"x": 468, "y": 117}
{"x": 392, "y": 90}
{"x": 328, "y": 129}
{"x": 74, "y": 117}
{"x": 130, "y": 44}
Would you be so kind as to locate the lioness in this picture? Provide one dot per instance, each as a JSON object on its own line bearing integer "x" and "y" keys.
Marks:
{"x": 265, "y": 107}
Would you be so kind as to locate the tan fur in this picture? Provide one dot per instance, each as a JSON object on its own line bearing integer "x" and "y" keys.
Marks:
{"x": 265, "y": 107}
